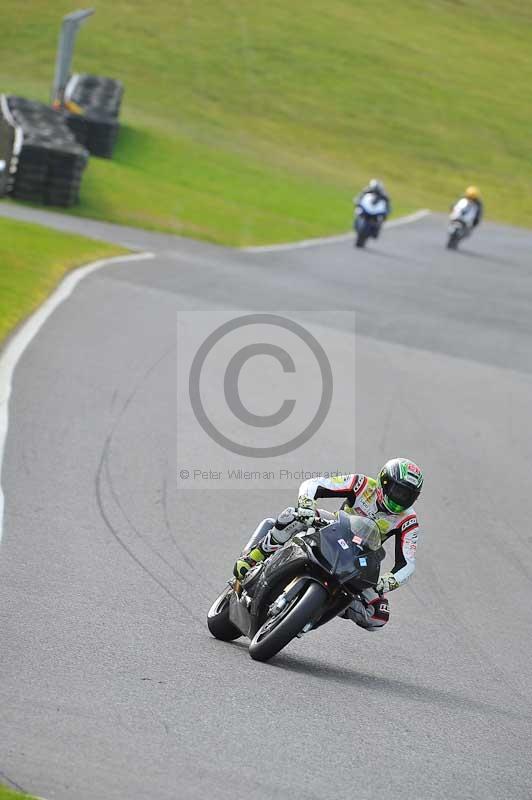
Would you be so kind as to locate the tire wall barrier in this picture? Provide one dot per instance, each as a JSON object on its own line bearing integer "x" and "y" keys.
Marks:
{"x": 98, "y": 99}
{"x": 8, "y": 132}
{"x": 47, "y": 161}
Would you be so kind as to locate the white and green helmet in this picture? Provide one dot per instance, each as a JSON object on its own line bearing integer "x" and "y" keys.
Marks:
{"x": 399, "y": 485}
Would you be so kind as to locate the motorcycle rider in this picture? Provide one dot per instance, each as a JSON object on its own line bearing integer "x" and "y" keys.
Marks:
{"x": 388, "y": 500}
{"x": 473, "y": 195}
{"x": 374, "y": 187}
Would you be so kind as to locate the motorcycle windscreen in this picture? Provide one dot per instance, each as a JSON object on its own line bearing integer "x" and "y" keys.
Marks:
{"x": 343, "y": 542}
{"x": 337, "y": 550}
{"x": 365, "y": 532}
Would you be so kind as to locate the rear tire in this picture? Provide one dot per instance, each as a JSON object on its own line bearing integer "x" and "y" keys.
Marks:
{"x": 218, "y": 620}
{"x": 267, "y": 643}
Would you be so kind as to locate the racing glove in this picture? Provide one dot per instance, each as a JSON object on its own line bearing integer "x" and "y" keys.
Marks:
{"x": 386, "y": 583}
{"x": 306, "y": 511}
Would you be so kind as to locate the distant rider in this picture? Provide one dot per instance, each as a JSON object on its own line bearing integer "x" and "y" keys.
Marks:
{"x": 374, "y": 187}
{"x": 473, "y": 195}
{"x": 388, "y": 500}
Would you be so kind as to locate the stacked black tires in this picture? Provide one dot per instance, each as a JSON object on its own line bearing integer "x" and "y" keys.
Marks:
{"x": 47, "y": 162}
{"x": 7, "y": 146}
{"x": 96, "y": 126}
{"x": 43, "y": 150}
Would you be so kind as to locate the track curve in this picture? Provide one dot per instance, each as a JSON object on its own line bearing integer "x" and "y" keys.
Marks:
{"x": 110, "y": 684}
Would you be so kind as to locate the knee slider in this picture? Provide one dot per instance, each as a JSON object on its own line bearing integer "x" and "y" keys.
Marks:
{"x": 378, "y": 612}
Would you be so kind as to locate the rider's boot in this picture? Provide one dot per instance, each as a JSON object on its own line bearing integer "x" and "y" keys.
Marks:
{"x": 247, "y": 562}
{"x": 285, "y": 526}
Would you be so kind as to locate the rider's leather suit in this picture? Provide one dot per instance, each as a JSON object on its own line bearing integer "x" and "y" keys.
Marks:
{"x": 479, "y": 209}
{"x": 382, "y": 195}
{"x": 360, "y": 493}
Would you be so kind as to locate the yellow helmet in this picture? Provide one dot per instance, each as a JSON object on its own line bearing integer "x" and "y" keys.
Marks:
{"x": 472, "y": 193}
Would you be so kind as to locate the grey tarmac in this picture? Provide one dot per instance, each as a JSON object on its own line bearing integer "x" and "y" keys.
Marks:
{"x": 110, "y": 684}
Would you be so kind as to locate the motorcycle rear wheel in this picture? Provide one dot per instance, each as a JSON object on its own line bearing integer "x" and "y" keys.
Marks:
{"x": 218, "y": 620}
{"x": 279, "y": 630}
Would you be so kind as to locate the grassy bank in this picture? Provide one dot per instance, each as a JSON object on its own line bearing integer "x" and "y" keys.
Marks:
{"x": 32, "y": 261}
{"x": 11, "y": 794}
{"x": 254, "y": 122}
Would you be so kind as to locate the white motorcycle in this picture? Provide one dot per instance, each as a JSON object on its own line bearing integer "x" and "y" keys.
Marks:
{"x": 370, "y": 213}
{"x": 461, "y": 222}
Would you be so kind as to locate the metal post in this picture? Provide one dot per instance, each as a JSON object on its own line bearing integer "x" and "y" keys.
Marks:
{"x": 65, "y": 49}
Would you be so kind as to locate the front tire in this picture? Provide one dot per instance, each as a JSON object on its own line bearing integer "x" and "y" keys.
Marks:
{"x": 218, "y": 620}
{"x": 452, "y": 243}
{"x": 278, "y": 631}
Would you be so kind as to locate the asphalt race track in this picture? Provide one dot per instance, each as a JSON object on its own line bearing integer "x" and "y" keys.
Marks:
{"x": 110, "y": 684}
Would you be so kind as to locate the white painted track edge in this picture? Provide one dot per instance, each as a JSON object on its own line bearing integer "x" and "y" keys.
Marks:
{"x": 20, "y": 340}
{"x": 343, "y": 237}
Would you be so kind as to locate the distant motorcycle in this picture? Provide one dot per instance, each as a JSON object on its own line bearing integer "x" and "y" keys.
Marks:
{"x": 305, "y": 584}
{"x": 370, "y": 213}
{"x": 461, "y": 222}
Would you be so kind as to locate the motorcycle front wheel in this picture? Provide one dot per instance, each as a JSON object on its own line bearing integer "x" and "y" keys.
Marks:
{"x": 361, "y": 239}
{"x": 455, "y": 234}
{"x": 452, "y": 242}
{"x": 218, "y": 620}
{"x": 278, "y": 630}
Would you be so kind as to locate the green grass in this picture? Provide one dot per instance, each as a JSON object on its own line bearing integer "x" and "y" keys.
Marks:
{"x": 254, "y": 122}
{"x": 10, "y": 794}
{"x": 32, "y": 261}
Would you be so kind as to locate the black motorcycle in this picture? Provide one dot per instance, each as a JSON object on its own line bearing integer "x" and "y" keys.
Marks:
{"x": 305, "y": 584}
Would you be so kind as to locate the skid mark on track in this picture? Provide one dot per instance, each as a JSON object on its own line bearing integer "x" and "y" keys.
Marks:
{"x": 173, "y": 537}
{"x": 130, "y": 523}
{"x": 103, "y": 477}
{"x": 122, "y": 543}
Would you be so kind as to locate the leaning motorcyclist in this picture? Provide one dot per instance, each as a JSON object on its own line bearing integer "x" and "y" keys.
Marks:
{"x": 377, "y": 188}
{"x": 388, "y": 500}
{"x": 473, "y": 195}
